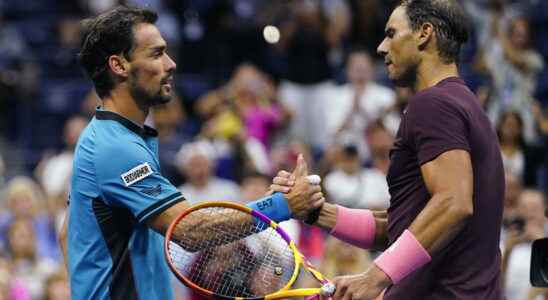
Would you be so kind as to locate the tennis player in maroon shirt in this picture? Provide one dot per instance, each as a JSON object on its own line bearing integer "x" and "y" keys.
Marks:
{"x": 446, "y": 179}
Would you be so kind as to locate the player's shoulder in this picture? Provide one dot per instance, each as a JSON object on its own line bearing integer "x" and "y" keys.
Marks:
{"x": 446, "y": 96}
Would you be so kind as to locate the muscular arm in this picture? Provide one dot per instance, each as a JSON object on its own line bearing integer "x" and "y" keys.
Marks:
{"x": 449, "y": 179}
{"x": 328, "y": 219}
{"x": 194, "y": 229}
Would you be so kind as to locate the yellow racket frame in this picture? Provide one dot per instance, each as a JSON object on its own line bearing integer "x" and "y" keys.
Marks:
{"x": 283, "y": 293}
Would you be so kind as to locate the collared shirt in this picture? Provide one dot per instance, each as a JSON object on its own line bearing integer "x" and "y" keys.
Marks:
{"x": 116, "y": 188}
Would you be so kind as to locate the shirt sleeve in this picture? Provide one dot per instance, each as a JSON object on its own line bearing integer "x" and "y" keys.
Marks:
{"x": 437, "y": 126}
{"x": 129, "y": 177}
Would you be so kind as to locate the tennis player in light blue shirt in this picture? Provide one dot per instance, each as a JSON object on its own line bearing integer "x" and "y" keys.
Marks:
{"x": 120, "y": 205}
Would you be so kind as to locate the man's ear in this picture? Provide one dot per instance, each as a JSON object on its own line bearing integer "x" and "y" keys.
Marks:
{"x": 118, "y": 65}
{"x": 426, "y": 33}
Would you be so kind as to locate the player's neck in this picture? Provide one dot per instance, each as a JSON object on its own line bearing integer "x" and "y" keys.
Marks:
{"x": 121, "y": 102}
{"x": 431, "y": 73}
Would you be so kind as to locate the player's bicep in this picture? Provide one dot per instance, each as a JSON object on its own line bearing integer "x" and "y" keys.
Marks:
{"x": 450, "y": 174}
{"x": 162, "y": 220}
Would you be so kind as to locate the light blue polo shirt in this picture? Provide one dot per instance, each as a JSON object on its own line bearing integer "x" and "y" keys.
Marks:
{"x": 116, "y": 188}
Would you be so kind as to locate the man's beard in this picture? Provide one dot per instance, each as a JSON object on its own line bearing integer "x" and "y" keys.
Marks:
{"x": 143, "y": 98}
{"x": 408, "y": 78}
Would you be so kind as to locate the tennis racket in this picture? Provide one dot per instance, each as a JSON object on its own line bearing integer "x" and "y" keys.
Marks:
{"x": 253, "y": 259}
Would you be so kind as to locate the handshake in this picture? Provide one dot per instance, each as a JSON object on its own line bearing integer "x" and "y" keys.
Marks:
{"x": 302, "y": 191}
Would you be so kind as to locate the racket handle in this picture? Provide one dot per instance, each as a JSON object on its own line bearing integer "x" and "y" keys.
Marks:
{"x": 327, "y": 290}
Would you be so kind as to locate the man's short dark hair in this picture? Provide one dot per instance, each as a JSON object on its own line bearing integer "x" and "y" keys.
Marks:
{"x": 449, "y": 20}
{"x": 110, "y": 33}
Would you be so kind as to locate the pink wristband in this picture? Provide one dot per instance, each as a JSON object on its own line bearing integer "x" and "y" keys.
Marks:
{"x": 355, "y": 226}
{"x": 402, "y": 258}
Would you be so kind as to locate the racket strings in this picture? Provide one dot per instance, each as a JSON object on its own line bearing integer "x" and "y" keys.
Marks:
{"x": 240, "y": 260}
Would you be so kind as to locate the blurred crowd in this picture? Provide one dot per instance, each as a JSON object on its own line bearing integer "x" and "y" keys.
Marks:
{"x": 245, "y": 107}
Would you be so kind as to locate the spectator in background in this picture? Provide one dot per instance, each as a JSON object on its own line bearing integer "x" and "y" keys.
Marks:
{"x": 90, "y": 103}
{"x": 54, "y": 172}
{"x": 284, "y": 155}
{"x": 488, "y": 16}
{"x": 352, "y": 107}
{"x": 254, "y": 186}
{"x": 306, "y": 40}
{"x": 537, "y": 160}
{"x": 244, "y": 115}
{"x": 28, "y": 267}
{"x": 90, "y": 7}
{"x": 353, "y": 186}
{"x": 24, "y": 200}
{"x": 368, "y": 18}
{"x": 60, "y": 57}
{"x": 381, "y": 141}
{"x": 513, "y": 189}
{"x": 57, "y": 286}
{"x": 246, "y": 103}
{"x": 518, "y": 243}
{"x": 10, "y": 288}
{"x": 2, "y": 172}
{"x": 170, "y": 123}
{"x": 18, "y": 77}
{"x": 520, "y": 158}
{"x": 196, "y": 160}
{"x": 512, "y": 142}
{"x": 392, "y": 116}
{"x": 514, "y": 66}
{"x": 341, "y": 258}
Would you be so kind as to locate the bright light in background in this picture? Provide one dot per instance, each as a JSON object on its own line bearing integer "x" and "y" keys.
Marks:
{"x": 271, "y": 34}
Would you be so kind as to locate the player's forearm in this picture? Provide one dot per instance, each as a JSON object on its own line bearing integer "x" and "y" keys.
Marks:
{"x": 328, "y": 217}
{"x": 441, "y": 220}
{"x": 196, "y": 228}
{"x": 438, "y": 223}
{"x": 328, "y": 220}
{"x": 196, "y": 232}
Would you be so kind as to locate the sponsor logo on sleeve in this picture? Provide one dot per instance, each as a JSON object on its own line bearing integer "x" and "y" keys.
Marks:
{"x": 140, "y": 172}
{"x": 153, "y": 191}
